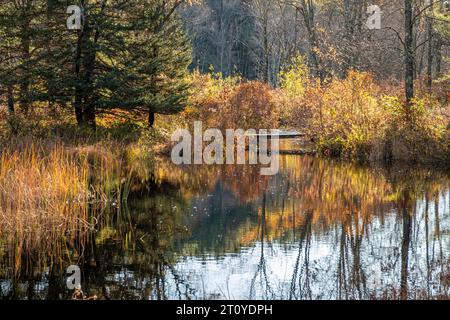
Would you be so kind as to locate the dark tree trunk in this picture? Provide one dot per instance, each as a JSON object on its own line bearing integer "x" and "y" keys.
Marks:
{"x": 438, "y": 51}
{"x": 24, "y": 97}
{"x": 88, "y": 66}
{"x": 406, "y": 241}
{"x": 11, "y": 110}
{"x": 151, "y": 118}
{"x": 10, "y": 100}
{"x": 89, "y": 113}
{"x": 78, "y": 106}
{"x": 409, "y": 52}
{"x": 78, "y": 100}
{"x": 85, "y": 100}
{"x": 154, "y": 89}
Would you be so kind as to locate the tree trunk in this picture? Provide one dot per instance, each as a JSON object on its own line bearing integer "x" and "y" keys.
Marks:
{"x": 430, "y": 37}
{"x": 266, "y": 54}
{"x": 85, "y": 100}
{"x": 154, "y": 88}
{"x": 11, "y": 119}
{"x": 307, "y": 11}
{"x": 151, "y": 118}
{"x": 406, "y": 241}
{"x": 353, "y": 17}
{"x": 10, "y": 100}
{"x": 89, "y": 102}
{"x": 89, "y": 111}
{"x": 438, "y": 51}
{"x": 78, "y": 106}
{"x": 438, "y": 42}
{"x": 78, "y": 99}
{"x": 409, "y": 53}
{"x": 24, "y": 97}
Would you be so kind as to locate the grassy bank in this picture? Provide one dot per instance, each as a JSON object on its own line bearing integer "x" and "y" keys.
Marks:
{"x": 59, "y": 182}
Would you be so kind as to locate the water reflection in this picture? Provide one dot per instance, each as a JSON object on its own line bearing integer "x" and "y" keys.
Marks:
{"x": 318, "y": 230}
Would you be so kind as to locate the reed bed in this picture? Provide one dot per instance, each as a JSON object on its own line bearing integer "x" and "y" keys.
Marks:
{"x": 52, "y": 195}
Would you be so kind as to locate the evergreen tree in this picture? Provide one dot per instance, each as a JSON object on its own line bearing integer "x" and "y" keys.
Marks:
{"x": 17, "y": 24}
{"x": 158, "y": 60}
{"x": 132, "y": 56}
{"x": 128, "y": 55}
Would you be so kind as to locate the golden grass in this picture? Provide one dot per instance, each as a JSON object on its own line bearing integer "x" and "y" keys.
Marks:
{"x": 57, "y": 181}
{"x": 51, "y": 195}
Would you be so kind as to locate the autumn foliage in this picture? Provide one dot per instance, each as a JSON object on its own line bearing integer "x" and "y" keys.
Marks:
{"x": 355, "y": 117}
{"x": 232, "y": 103}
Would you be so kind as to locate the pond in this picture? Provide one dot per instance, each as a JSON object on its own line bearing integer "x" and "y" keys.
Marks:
{"x": 320, "y": 229}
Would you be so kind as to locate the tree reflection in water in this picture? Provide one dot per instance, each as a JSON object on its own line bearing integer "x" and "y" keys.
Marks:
{"x": 318, "y": 230}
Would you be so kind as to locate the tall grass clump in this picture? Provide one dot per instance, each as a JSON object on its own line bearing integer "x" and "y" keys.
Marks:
{"x": 42, "y": 199}
{"x": 52, "y": 195}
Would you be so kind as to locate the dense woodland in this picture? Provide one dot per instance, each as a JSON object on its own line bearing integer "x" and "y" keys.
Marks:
{"x": 257, "y": 38}
{"x": 280, "y": 63}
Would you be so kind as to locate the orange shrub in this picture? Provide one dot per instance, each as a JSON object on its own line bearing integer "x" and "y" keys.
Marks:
{"x": 251, "y": 106}
{"x": 229, "y": 103}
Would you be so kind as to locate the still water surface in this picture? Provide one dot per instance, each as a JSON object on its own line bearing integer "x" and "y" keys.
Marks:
{"x": 319, "y": 229}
